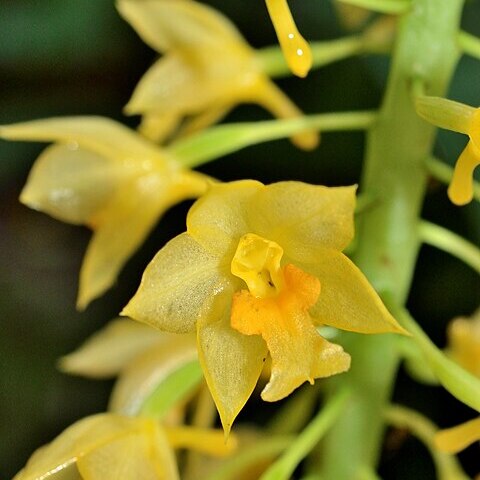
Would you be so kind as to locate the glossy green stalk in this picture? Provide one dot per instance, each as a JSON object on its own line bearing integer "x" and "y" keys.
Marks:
{"x": 398, "y": 144}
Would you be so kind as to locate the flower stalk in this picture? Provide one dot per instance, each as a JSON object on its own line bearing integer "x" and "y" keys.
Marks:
{"x": 388, "y": 240}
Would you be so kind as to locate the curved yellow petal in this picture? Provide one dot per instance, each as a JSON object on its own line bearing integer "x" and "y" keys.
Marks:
{"x": 175, "y": 285}
{"x": 298, "y": 352}
{"x": 219, "y": 218}
{"x": 304, "y": 219}
{"x": 231, "y": 362}
{"x": 71, "y": 184}
{"x": 107, "y": 352}
{"x": 295, "y": 48}
{"x": 347, "y": 300}
{"x": 455, "y": 439}
{"x": 164, "y": 24}
{"x": 100, "y": 135}
{"x": 148, "y": 370}
{"x": 460, "y": 190}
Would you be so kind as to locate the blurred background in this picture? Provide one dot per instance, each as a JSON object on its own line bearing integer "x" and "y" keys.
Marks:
{"x": 71, "y": 57}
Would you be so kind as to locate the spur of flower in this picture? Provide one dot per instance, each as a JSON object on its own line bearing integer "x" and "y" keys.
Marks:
{"x": 461, "y": 118}
{"x": 101, "y": 174}
{"x": 113, "y": 446}
{"x": 258, "y": 269}
{"x": 206, "y": 69}
{"x": 296, "y": 50}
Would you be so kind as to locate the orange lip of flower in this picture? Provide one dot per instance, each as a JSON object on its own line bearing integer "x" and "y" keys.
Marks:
{"x": 276, "y": 306}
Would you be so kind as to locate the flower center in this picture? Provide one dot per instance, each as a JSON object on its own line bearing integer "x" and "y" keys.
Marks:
{"x": 257, "y": 262}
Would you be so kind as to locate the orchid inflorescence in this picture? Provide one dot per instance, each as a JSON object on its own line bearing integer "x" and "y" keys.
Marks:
{"x": 260, "y": 289}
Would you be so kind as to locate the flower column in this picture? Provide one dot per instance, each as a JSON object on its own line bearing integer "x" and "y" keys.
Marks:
{"x": 398, "y": 145}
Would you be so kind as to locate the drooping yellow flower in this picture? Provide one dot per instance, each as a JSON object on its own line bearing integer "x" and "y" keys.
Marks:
{"x": 295, "y": 48}
{"x": 460, "y": 118}
{"x": 464, "y": 342}
{"x": 109, "y": 446}
{"x": 455, "y": 439}
{"x": 257, "y": 270}
{"x": 206, "y": 69}
{"x": 103, "y": 175}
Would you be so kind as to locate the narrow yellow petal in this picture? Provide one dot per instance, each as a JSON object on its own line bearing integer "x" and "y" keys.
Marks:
{"x": 296, "y": 50}
{"x": 210, "y": 442}
{"x": 231, "y": 362}
{"x": 460, "y": 190}
{"x": 100, "y": 135}
{"x": 112, "y": 348}
{"x": 304, "y": 219}
{"x": 348, "y": 301}
{"x": 176, "y": 284}
{"x": 298, "y": 352}
{"x": 121, "y": 230}
{"x": 455, "y": 439}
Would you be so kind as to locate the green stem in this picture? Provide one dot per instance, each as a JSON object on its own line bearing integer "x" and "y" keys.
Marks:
{"x": 450, "y": 242}
{"x": 382, "y": 6}
{"x": 388, "y": 241}
{"x": 462, "y": 384}
{"x": 469, "y": 44}
{"x": 283, "y": 468}
{"x": 274, "y": 65}
{"x": 444, "y": 173}
{"x": 260, "y": 452}
{"x": 218, "y": 141}
{"x": 446, "y": 465}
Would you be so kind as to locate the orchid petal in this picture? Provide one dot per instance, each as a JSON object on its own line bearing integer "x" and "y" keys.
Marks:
{"x": 304, "y": 219}
{"x": 100, "y": 135}
{"x": 71, "y": 184}
{"x": 175, "y": 285}
{"x": 164, "y": 25}
{"x": 219, "y": 218}
{"x": 347, "y": 300}
{"x": 120, "y": 231}
{"x": 107, "y": 352}
{"x": 231, "y": 362}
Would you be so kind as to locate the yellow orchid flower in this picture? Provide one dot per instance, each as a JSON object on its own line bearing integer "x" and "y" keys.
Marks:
{"x": 109, "y": 446}
{"x": 461, "y": 118}
{"x": 206, "y": 69}
{"x": 455, "y": 439}
{"x": 103, "y": 175}
{"x": 259, "y": 268}
{"x": 464, "y": 342}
